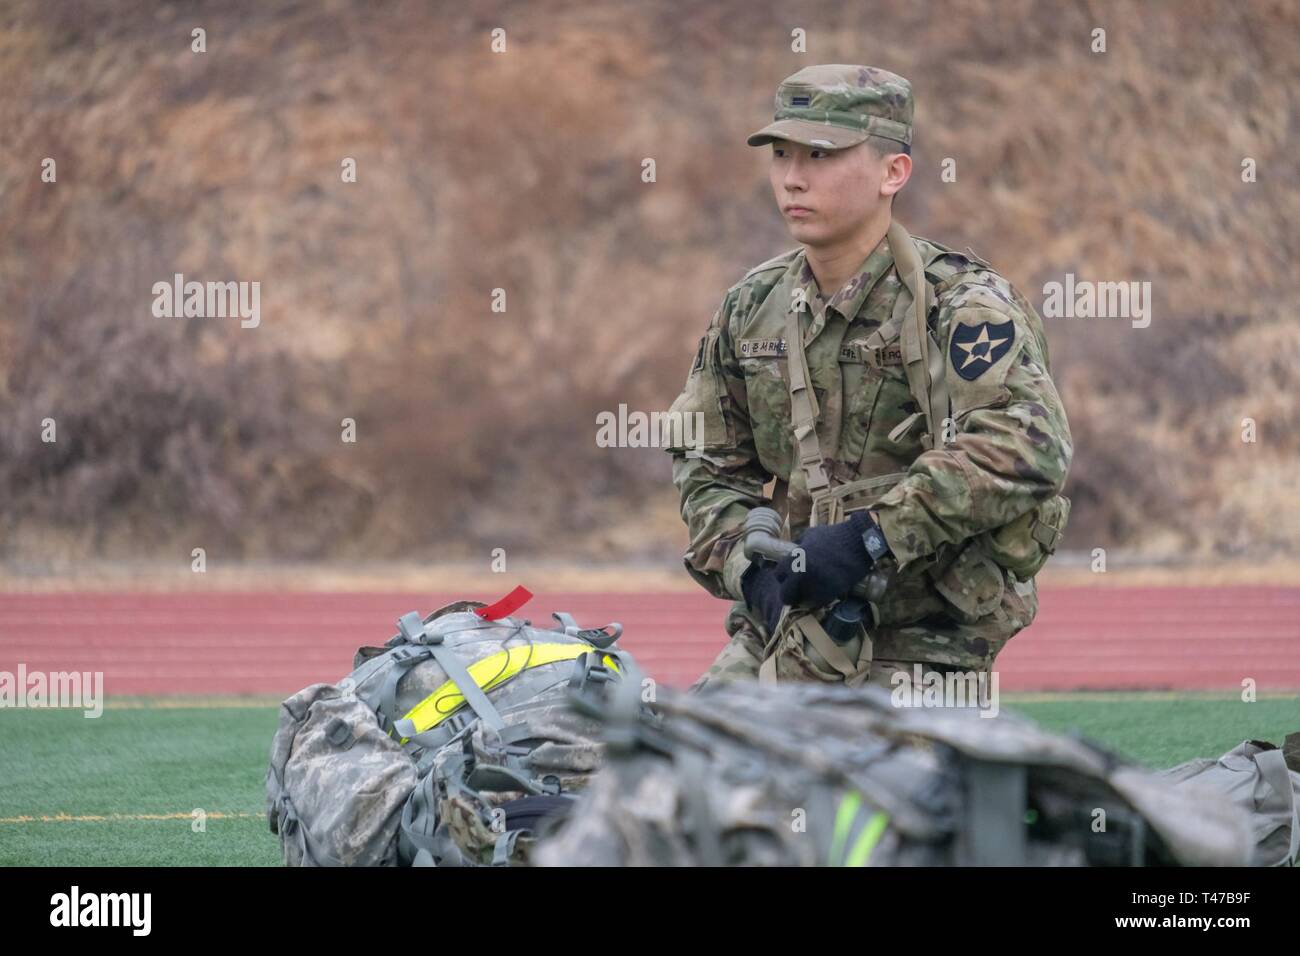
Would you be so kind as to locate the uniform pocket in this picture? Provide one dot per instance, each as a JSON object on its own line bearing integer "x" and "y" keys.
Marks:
{"x": 708, "y": 421}
{"x": 1023, "y": 546}
{"x": 972, "y": 584}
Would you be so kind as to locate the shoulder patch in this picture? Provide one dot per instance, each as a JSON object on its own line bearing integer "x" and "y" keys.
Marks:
{"x": 975, "y": 348}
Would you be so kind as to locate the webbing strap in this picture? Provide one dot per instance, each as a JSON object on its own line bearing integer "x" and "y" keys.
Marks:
{"x": 601, "y": 637}
{"x": 505, "y": 847}
{"x": 854, "y": 674}
{"x": 816, "y": 635}
{"x": 412, "y": 629}
{"x": 805, "y": 624}
{"x": 453, "y": 725}
{"x": 922, "y": 364}
{"x": 804, "y": 410}
{"x": 385, "y": 702}
{"x": 484, "y": 674}
{"x": 1281, "y": 804}
{"x": 419, "y": 823}
{"x": 767, "y": 669}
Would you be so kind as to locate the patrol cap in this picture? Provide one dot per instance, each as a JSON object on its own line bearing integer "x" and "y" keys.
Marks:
{"x": 835, "y": 105}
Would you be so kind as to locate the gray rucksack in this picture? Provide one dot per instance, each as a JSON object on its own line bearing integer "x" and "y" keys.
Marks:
{"x": 452, "y": 744}
{"x": 1265, "y": 783}
{"x": 823, "y": 774}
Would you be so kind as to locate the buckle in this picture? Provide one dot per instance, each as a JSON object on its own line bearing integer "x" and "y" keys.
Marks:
{"x": 411, "y": 627}
{"x": 411, "y": 654}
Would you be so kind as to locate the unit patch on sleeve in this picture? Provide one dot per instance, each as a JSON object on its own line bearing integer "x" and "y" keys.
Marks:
{"x": 977, "y": 348}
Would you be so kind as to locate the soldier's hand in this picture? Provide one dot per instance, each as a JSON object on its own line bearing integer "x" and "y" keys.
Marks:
{"x": 763, "y": 593}
{"x": 834, "y": 558}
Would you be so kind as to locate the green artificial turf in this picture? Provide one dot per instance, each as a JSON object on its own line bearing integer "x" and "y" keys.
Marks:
{"x": 136, "y": 762}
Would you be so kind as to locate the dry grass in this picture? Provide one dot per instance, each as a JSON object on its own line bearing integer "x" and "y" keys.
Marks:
{"x": 522, "y": 172}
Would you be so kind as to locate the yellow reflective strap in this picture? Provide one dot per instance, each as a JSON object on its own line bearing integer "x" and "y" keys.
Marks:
{"x": 867, "y": 839}
{"x": 490, "y": 672}
{"x": 844, "y": 817}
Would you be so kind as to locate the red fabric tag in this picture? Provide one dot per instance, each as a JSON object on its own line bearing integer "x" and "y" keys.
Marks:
{"x": 506, "y": 606}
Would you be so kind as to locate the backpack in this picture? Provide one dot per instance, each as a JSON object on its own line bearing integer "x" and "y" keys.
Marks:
{"x": 1264, "y": 782}
{"x": 810, "y": 774}
{"x": 452, "y": 744}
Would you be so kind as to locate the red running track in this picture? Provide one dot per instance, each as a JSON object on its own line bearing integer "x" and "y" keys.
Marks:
{"x": 265, "y": 643}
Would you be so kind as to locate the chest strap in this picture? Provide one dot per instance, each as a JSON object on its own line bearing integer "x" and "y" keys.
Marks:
{"x": 804, "y": 411}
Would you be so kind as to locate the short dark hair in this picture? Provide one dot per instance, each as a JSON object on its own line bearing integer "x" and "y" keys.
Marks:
{"x": 883, "y": 147}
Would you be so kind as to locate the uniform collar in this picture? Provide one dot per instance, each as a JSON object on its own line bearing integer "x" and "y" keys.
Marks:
{"x": 850, "y": 297}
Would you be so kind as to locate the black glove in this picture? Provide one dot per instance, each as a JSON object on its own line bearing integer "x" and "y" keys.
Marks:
{"x": 835, "y": 559}
{"x": 762, "y": 593}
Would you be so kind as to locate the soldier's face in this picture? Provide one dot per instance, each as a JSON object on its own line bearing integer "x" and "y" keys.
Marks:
{"x": 827, "y": 195}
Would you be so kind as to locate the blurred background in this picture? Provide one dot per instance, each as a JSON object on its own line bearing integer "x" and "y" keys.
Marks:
{"x": 475, "y": 465}
{"x": 521, "y": 171}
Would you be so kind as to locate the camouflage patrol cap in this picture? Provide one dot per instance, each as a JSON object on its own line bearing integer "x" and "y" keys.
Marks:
{"x": 834, "y": 105}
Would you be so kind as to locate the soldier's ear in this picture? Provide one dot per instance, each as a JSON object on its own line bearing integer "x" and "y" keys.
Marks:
{"x": 898, "y": 170}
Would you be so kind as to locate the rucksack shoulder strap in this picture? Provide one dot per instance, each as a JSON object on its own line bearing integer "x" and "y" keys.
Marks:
{"x": 413, "y": 629}
{"x": 804, "y": 411}
{"x": 922, "y": 363}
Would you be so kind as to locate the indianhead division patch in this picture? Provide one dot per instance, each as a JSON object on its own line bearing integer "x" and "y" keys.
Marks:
{"x": 976, "y": 348}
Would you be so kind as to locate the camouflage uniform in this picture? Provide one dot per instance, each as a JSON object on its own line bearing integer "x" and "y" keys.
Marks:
{"x": 1011, "y": 449}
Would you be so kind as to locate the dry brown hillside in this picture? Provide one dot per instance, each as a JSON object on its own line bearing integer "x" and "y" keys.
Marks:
{"x": 522, "y": 171}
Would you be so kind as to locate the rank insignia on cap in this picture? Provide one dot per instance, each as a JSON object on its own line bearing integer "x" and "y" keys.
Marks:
{"x": 975, "y": 348}
{"x": 800, "y": 100}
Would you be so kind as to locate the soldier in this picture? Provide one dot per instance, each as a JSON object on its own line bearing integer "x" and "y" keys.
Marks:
{"x": 935, "y": 456}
